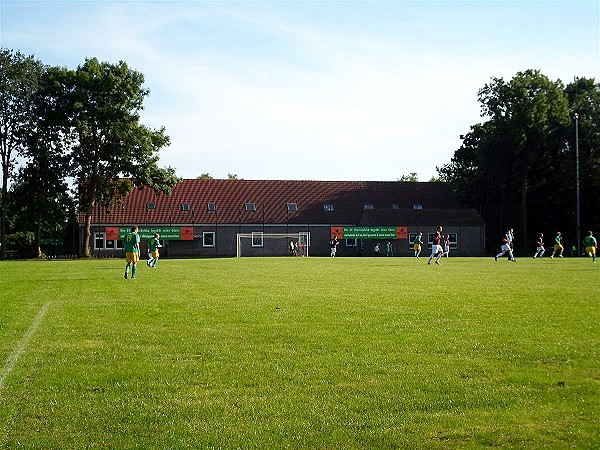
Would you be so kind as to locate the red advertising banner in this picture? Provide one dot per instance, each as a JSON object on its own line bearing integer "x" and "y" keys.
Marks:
{"x": 112, "y": 233}
{"x": 337, "y": 231}
{"x": 401, "y": 232}
{"x": 187, "y": 233}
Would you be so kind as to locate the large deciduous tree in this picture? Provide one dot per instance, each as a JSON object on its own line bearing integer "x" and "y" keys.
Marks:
{"x": 113, "y": 151}
{"x": 41, "y": 194}
{"x": 19, "y": 77}
{"x": 509, "y": 157}
{"x": 584, "y": 100}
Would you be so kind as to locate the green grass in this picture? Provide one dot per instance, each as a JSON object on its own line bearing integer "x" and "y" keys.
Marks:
{"x": 301, "y": 353}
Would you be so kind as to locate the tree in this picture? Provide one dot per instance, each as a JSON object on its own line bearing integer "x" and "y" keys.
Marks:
{"x": 205, "y": 176}
{"x": 233, "y": 176}
{"x": 505, "y": 160}
{"x": 113, "y": 151}
{"x": 411, "y": 177}
{"x": 19, "y": 76}
{"x": 584, "y": 100}
{"x": 41, "y": 193}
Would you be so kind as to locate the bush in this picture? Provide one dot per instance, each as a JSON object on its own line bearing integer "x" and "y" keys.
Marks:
{"x": 23, "y": 243}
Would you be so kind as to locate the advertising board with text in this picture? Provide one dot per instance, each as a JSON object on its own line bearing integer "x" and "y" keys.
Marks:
{"x": 166, "y": 233}
{"x": 370, "y": 232}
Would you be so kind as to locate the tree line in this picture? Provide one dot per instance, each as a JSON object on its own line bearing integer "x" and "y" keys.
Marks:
{"x": 72, "y": 141}
{"x": 521, "y": 166}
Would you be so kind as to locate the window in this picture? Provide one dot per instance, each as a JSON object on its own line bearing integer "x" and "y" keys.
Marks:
{"x": 257, "y": 239}
{"x": 185, "y": 206}
{"x": 99, "y": 240}
{"x": 368, "y": 206}
{"x": 150, "y": 205}
{"x": 249, "y": 206}
{"x": 395, "y": 206}
{"x": 351, "y": 242}
{"x": 453, "y": 240}
{"x": 211, "y": 207}
{"x": 417, "y": 206}
{"x": 411, "y": 239}
{"x": 430, "y": 237}
{"x": 328, "y": 207}
{"x": 114, "y": 245}
{"x": 208, "y": 239}
{"x": 291, "y": 207}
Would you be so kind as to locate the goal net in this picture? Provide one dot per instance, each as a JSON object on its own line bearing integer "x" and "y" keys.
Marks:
{"x": 272, "y": 244}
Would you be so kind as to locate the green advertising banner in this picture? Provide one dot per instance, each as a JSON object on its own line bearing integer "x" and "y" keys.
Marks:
{"x": 369, "y": 232}
{"x": 166, "y": 233}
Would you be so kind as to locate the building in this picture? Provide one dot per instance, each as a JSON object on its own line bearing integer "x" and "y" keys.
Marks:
{"x": 203, "y": 218}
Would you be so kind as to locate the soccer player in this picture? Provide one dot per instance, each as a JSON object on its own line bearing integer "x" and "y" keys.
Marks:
{"x": 447, "y": 245}
{"x": 506, "y": 248}
{"x": 436, "y": 247}
{"x": 417, "y": 244}
{"x": 558, "y": 247}
{"x": 153, "y": 245}
{"x": 540, "y": 246}
{"x": 591, "y": 245}
{"x": 333, "y": 245}
{"x": 132, "y": 251}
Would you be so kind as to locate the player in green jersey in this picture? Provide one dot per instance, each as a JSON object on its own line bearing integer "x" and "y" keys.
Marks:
{"x": 153, "y": 245}
{"x": 132, "y": 251}
{"x": 591, "y": 245}
{"x": 558, "y": 247}
{"x": 417, "y": 245}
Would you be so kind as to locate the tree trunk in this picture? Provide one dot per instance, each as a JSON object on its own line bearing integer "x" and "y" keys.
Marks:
{"x": 38, "y": 236}
{"x": 88, "y": 227}
{"x": 524, "y": 235}
{"x": 3, "y": 211}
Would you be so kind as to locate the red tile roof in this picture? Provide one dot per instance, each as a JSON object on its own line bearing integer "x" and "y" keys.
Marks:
{"x": 270, "y": 198}
{"x": 432, "y": 217}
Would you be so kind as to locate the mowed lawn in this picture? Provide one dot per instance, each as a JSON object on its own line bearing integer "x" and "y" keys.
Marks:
{"x": 300, "y": 353}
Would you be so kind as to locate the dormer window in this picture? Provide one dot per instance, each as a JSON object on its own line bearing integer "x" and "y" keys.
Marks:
{"x": 328, "y": 207}
{"x": 417, "y": 206}
{"x": 368, "y": 206}
{"x": 249, "y": 206}
{"x": 150, "y": 205}
{"x": 185, "y": 206}
{"x": 291, "y": 207}
{"x": 211, "y": 207}
{"x": 395, "y": 206}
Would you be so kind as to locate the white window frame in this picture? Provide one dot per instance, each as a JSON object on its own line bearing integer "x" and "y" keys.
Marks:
{"x": 207, "y": 233}
{"x": 260, "y": 242}
{"x": 352, "y": 242}
{"x": 99, "y": 235}
{"x": 118, "y": 245}
{"x": 411, "y": 240}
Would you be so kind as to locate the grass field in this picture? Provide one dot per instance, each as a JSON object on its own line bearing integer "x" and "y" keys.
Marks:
{"x": 300, "y": 353}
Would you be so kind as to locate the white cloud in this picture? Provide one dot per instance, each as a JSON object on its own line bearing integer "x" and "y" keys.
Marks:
{"x": 284, "y": 90}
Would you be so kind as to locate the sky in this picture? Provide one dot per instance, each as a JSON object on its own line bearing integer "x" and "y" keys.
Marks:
{"x": 312, "y": 90}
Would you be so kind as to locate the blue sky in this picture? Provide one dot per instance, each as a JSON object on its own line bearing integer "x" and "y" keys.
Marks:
{"x": 317, "y": 90}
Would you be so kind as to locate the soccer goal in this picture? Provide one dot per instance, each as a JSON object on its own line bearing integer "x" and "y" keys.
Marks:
{"x": 275, "y": 244}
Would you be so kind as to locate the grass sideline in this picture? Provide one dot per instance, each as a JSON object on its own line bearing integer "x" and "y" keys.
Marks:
{"x": 301, "y": 353}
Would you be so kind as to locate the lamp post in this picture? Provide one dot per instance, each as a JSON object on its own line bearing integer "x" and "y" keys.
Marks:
{"x": 578, "y": 224}
{"x": 193, "y": 231}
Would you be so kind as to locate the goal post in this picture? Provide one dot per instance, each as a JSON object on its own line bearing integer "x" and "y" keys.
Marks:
{"x": 274, "y": 243}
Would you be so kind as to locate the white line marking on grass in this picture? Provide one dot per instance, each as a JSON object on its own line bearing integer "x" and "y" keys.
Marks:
{"x": 10, "y": 363}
